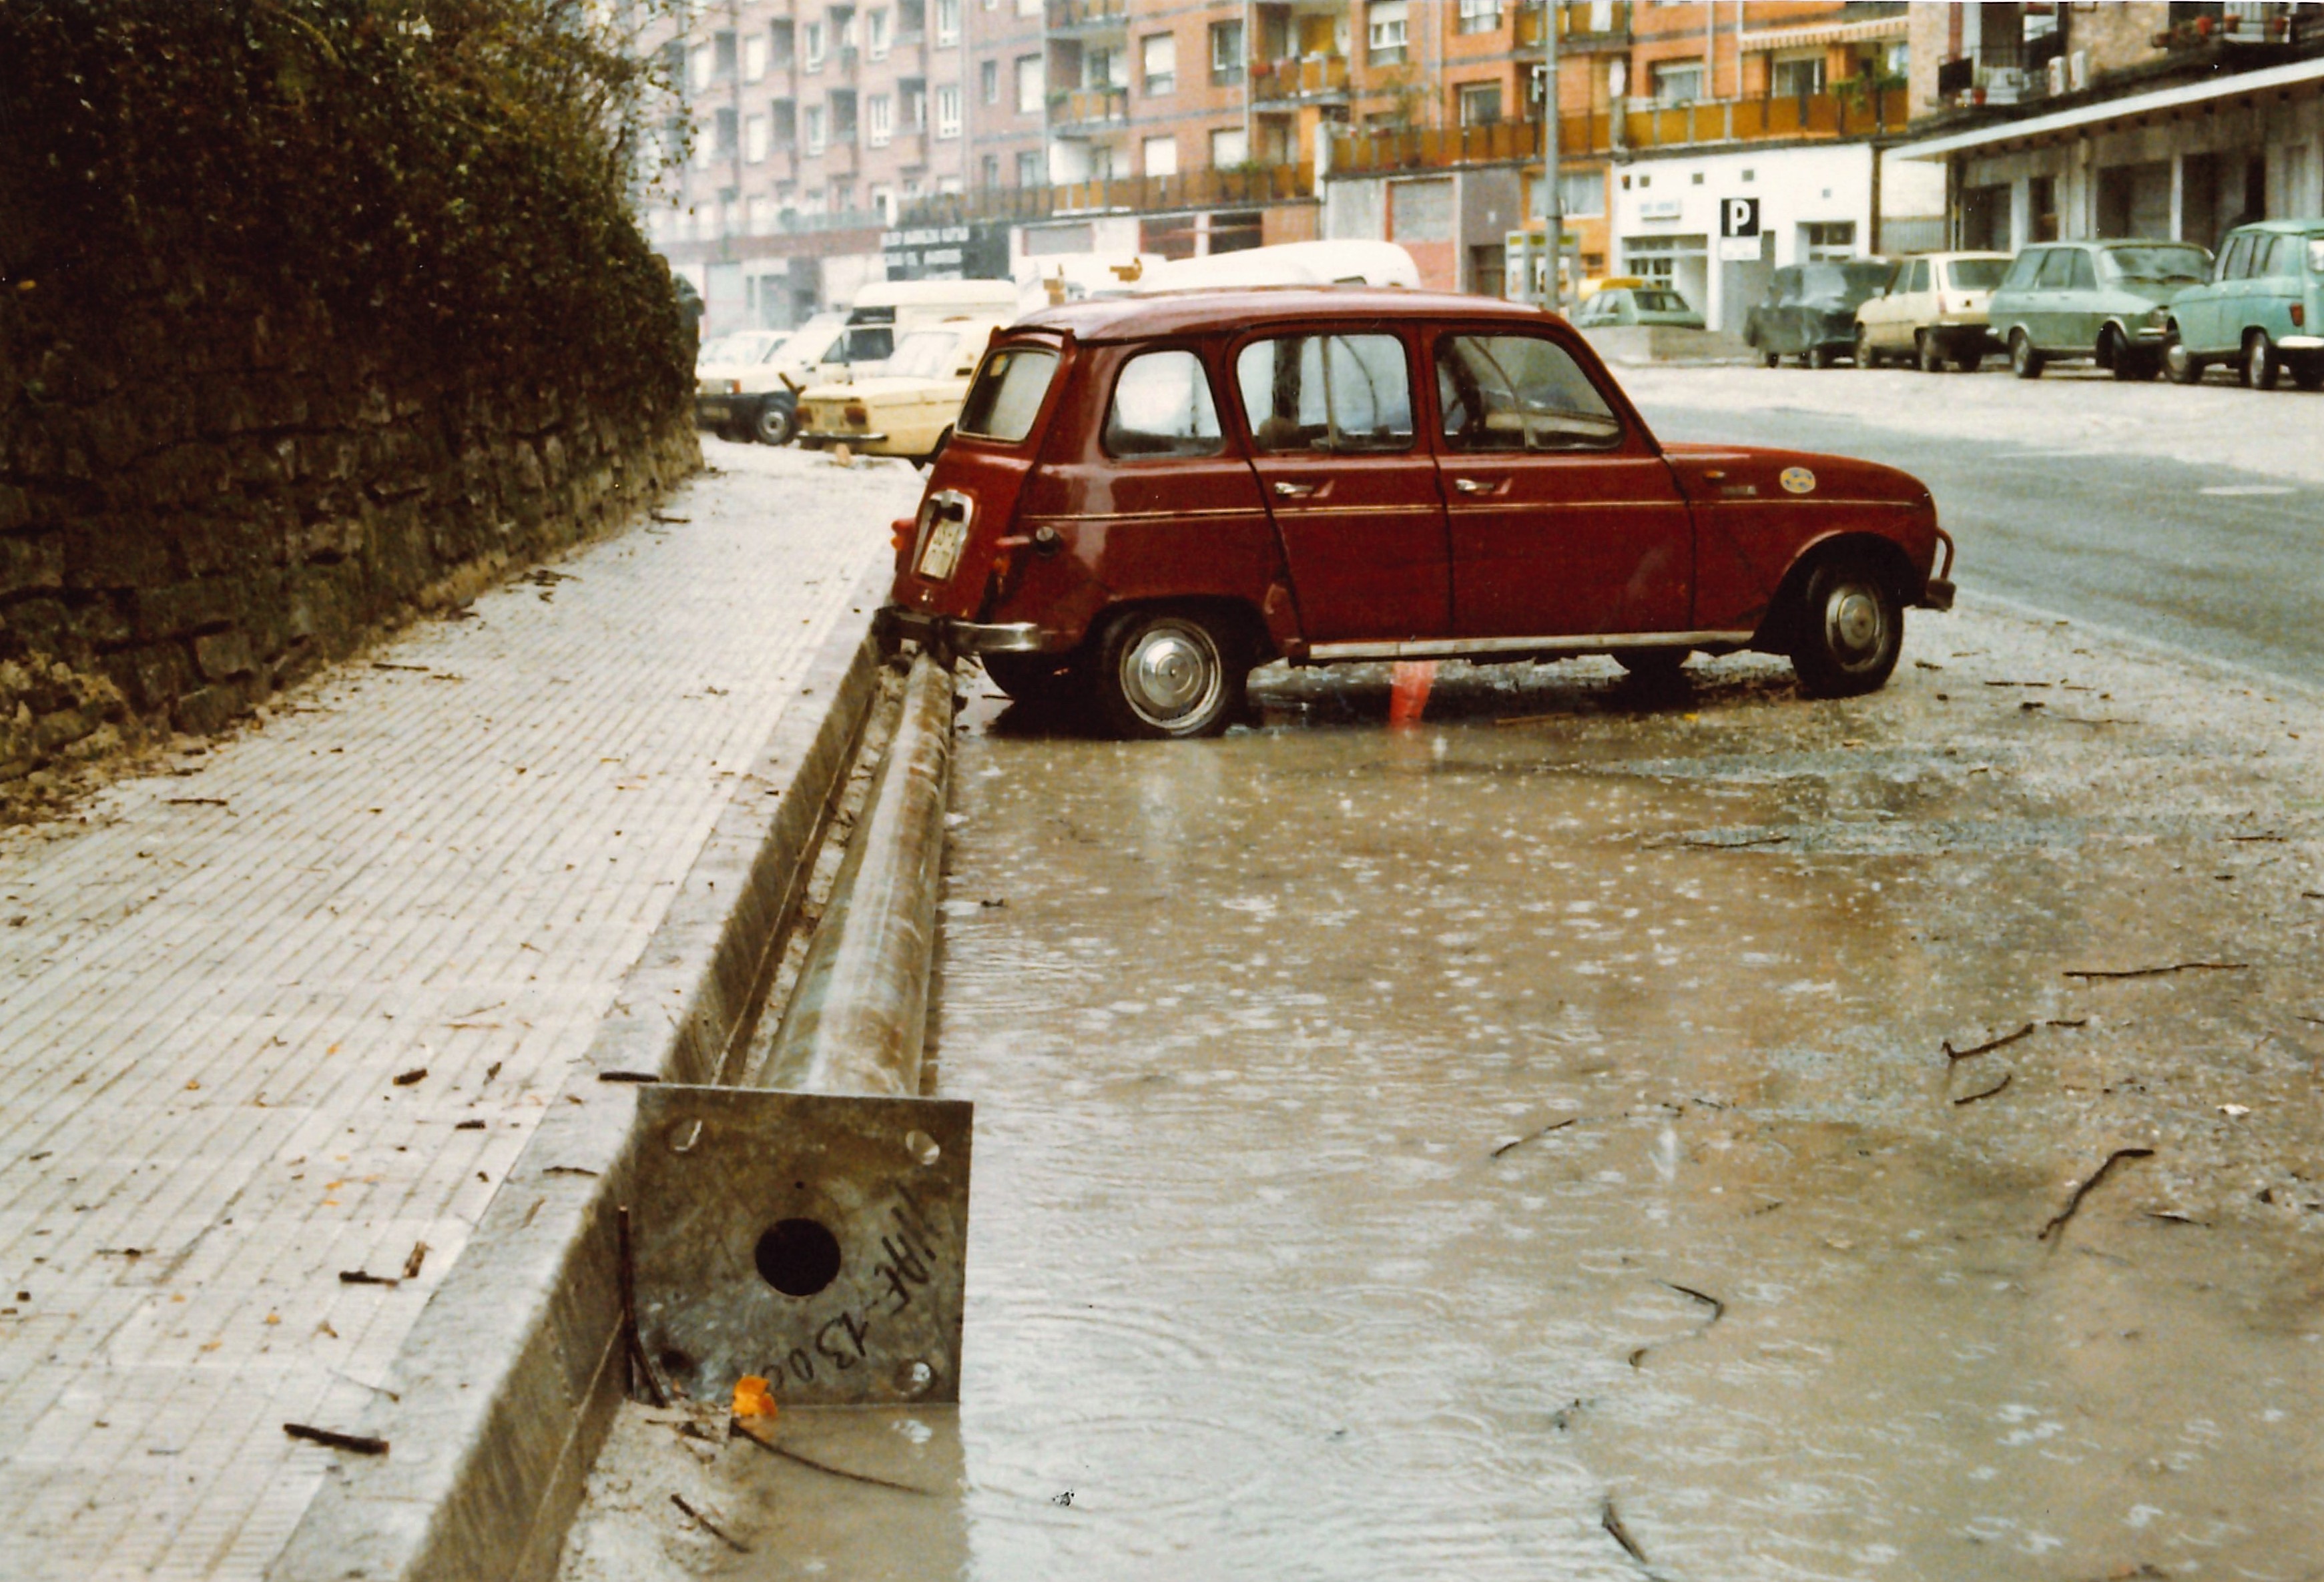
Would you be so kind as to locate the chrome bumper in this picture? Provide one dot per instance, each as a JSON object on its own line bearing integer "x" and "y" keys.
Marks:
{"x": 2300, "y": 343}
{"x": 960, "y": 637}
{"x": 823, "y": 441}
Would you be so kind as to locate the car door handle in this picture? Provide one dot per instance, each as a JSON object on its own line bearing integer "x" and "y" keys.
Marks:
{"x": 1475, "y": 485}
{"x": 1294, "y": 491}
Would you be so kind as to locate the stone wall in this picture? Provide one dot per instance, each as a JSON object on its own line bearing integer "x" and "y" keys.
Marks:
{"x": 214, "y": 495}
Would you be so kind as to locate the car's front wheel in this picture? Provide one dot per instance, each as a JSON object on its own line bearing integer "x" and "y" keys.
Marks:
{"x": 2023, "y": 361}
{"x": 2180, "y": 366}
{"x": 1927, "y": 353}
{"x": 1865, "y": 357}
{"x": 1771, "y": 358}
{"x": 776, "y": 424}
{"x": 1818, "y": 356}
{"x": 1169, "y": 673}
{"x": 1851, "y": 628}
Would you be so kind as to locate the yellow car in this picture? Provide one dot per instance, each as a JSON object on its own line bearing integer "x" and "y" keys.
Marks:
{"x": 907, "y": 408}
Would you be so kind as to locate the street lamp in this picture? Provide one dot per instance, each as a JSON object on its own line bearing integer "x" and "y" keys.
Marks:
{"x": 1553, "y": 202}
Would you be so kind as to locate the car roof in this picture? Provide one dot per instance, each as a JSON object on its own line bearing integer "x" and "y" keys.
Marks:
{"x": 2283, "y": 228}
{"x": 1198, "y": 312}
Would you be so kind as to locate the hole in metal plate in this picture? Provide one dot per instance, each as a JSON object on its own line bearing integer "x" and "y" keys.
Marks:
{"x": 797, "y": 1257}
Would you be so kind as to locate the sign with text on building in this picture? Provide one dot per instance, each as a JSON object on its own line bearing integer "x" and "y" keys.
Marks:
{"x": 946, "y": 252}
{"x": 1738, "y": 229}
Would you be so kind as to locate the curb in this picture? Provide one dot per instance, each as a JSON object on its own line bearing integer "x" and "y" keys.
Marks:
{"x": 507, "y": 1384}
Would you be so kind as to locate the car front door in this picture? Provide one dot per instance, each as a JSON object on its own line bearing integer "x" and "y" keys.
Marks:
{"x": 1353, "y": 495}
{"x": 1565, "y": 519}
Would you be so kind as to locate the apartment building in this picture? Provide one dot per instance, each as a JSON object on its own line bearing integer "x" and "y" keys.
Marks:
{"x": 2143, "y": 118}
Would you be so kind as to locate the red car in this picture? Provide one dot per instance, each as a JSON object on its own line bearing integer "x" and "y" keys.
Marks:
{"x": 1144, "y": 498}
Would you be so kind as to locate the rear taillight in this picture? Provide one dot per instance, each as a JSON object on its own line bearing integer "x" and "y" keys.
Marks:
{"x": 857, "y": 415}
{"x": 2299, "y": 314}
{"x": 899, "y": 532}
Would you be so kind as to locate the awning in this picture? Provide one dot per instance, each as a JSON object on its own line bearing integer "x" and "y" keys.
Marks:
{"x": 2080, "y": 119}
{"x": 1878, "y": 29}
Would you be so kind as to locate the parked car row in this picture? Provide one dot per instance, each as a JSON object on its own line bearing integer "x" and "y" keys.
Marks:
{"x": 2136, "y": 307}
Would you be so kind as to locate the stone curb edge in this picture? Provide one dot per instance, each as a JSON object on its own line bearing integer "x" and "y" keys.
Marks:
{"x": 507, "y": 1385}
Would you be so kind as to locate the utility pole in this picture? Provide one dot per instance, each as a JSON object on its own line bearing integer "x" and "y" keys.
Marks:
{"x": 1553, "y": 203}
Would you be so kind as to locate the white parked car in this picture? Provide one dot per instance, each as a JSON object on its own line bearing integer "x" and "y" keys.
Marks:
{"x": 907, "y": 408}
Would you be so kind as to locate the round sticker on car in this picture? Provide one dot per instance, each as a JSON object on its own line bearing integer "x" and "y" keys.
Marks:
{"x": 1798, "y": 480}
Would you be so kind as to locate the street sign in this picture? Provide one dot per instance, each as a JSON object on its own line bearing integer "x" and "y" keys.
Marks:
{"x": 1739, "y": 216}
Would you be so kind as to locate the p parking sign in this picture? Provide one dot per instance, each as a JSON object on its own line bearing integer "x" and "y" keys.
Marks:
{"x": 1739, "y": 216}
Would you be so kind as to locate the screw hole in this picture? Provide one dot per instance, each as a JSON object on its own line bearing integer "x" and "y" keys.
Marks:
{"x": 913, "y": 1378}
{"x": 684, "y": 1134}
{"x": 797, "y": 1257}
{"x": 922, "y": 1148}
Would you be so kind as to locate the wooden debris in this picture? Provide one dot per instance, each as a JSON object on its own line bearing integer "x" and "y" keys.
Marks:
{"x": 1611, "y": 1521}
{"x": 1519, "y": 1142}
{"x": 361, "y": 1444}
{"x": 772, "y": 1449}
{"x": 1989, "y": 1092}
{"x": 2058, "y": 1220}
{"x": 2160, "y": 972}
{"x": 1989, "y": 1046}
{"x": 712, "y": 1528}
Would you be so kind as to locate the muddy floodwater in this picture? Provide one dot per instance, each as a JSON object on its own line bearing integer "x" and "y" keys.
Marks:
{"x": 1553, "y": 1140}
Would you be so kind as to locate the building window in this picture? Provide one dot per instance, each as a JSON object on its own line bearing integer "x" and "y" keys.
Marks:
{"x": 916, "y": 109}
{"x": 1159, "y": 156}
{"x": 879, "y": 120}
{"x": 723, "y": 130}
{"x": 1798, "y": 78}
{"x": 1029, "y": 84}
{"x": 815, "y": 137}
{"x": 1028, "y": 169}
{"x": 1678, "y": 84}
{"x": 722, "y": 58}
{"x": 1230, "y": 146}
{"x": 754, "y": 57}
{"x": 783, "y": 36}
{"x": 1581, "y": 192}
{"x": 1384, "y": 31}
{"x": 1480, "y": 17}
{"x": 697, "y": 67}
{"x": 1104, "y": 68}
{"x": 988, "y": 81}
{"x": 988, "y": 171}
{"x": 1830, "y": 241}
{"x": 843, "y": 198}
{"x": 1028, "y": 7}
{"x": 754, "y": 139}
{"x": 948, "y": 110}
{"x": 1158, "y": 59}
{"x": 815, "y": 46}
{"x": 947, "y": 22}
{"x": 876, "y": 29}
{"x": 1226, "y": 53}
{"x": 1480, "y": 104}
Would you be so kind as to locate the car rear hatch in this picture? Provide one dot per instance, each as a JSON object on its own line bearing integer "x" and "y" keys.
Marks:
{"x": 946, "y": 559}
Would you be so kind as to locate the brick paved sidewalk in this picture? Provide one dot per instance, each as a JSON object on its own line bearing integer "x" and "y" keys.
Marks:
{"x": 293, "y": 1008}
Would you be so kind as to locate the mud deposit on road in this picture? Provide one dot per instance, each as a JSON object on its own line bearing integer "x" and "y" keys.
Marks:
{"x": 1526, "y": 1143}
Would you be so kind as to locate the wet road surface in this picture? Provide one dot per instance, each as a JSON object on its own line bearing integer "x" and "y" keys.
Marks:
{"x": 1526, "y": 1145}
{"x": 2207, "y": 558}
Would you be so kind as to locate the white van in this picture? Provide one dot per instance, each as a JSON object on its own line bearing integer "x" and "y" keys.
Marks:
{"x": 758, "y": 402}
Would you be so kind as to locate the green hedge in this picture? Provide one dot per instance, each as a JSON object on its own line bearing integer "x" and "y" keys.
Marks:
{"x": 448, "y": 179}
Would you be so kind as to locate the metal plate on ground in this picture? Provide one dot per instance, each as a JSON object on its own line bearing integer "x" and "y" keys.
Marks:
{"x": 815, "y": 1240}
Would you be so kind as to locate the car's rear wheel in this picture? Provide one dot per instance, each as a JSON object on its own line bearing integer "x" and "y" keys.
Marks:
{"x": 1818, "y": 356}
{"x": 1771, "y": 358}
{"x": 2261, "y": 363}
{"x": 1169, "y": 673}
{"x": 1653, "y": 664}
{"x": 2180, "y": 366}
{"x": 2114, "y": 355}
{"x": 1930, "y": 355}
{"x": 2023, "y": 361}
{"x": 1864, "y": 355}
{"x": 1850, "y": 628}
{"x": 1042, "y": 680}
{"x": 775, "y": 425}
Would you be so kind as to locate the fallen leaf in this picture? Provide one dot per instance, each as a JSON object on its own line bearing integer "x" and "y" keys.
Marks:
{"x": 750, "y": 1397}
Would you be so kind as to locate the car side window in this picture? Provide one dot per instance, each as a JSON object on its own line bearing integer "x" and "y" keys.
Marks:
{"x": 2058, "y": 270}
{"x": 2232, "y": 257}
{"x": 1162, "y": 406}
{"x": 2021, "y": 271}
{"x": 1919, "y": 279}
{"x": 2086, "y": 273}
{"x": 2271, "y": 256}
{"x": 1327, "y": 392}
{"x": 1520, "y": 392}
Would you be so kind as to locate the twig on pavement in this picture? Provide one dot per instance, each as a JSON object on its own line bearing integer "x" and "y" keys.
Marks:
{"x": 1611, "y": 1521}
{"x": 1989, "y": 1092}
{"x": 1989, "y": 1046}
{"x": 1516, "y": 1142}
{"x": 770, "y": 1447}
{"x": 2058, "y": 1221}
{"x": 712, "y": 1528}
{"x": 361, "y": 1444}
{"x": 2160, "y": 971}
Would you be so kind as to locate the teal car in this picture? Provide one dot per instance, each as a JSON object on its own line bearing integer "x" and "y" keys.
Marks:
{"x": 2263, "y": 309}
{"x": 2108, "y": 302}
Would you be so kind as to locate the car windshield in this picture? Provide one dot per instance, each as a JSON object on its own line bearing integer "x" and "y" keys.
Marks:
{"x": 1975, "y": 274}
{"x": 1660, "y": 302}
{"x": 925, "y": 355}
{"x": 1850, "y": 283}
{"x": 1007, "y": 395}
{"x": 2159, "y": 262}
{"x": 744, "y": 346}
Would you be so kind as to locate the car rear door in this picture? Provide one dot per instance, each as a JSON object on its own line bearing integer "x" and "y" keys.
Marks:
{"x": 1329, "y": 416}
{"x": 1565, "y": 519}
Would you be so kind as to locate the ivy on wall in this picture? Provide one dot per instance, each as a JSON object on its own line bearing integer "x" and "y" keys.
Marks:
{"x": 452, "y": 177}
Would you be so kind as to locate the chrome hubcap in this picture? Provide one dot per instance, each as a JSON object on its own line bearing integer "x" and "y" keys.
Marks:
{"x": 1170, "y": 673}
{"x": 1852, "y": 617}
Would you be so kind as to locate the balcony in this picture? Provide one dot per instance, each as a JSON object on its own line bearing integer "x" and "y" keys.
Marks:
{"x": 1081, "y": 18}
{"x": 1250, "y": 187}
{"x": 1306, "y": 76}
{"x": 1586, "y": 27}
{"x": 1813, "y": 117}
{"x": 1086, "y": 109}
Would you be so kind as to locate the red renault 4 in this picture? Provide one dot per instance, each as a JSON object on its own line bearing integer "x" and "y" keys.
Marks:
{"x": 1144, "y": 498}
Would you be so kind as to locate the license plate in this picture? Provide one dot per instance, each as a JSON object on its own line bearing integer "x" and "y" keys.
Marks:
{"x": 942, "y": 550}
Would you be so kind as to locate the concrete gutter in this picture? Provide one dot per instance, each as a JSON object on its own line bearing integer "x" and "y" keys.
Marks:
{"x": 505, "y": 1388}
